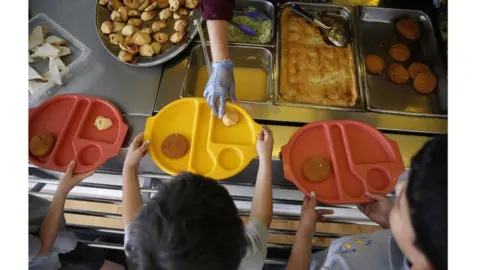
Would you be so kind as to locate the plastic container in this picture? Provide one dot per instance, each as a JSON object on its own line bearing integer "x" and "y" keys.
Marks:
{"x": 362, "y": 159}
{"x": 74, "y": 62}
{"x": 71, "y": 119}
{"x": 215, "y": 151}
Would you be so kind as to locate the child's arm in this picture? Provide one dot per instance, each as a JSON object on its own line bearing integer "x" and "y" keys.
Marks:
{"x": 51, "y": 223}
{"x": 131, "y": 197}
{"x": 262, "y": 197}
{"x": 302, "y": 247}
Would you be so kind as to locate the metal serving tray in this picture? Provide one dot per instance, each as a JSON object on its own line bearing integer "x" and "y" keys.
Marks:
{"x": 262, "y": 6}
{"x": 242, "y": 56}
{"x": 169, "y": 50}
{"x": 377, "y": 32}
{"x": 347, "y": 14}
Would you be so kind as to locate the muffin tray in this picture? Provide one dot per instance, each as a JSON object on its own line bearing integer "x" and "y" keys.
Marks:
{"x": 362, "y": 159}
{"x": 215, "y": 151}
{"x": 71, "y": 119}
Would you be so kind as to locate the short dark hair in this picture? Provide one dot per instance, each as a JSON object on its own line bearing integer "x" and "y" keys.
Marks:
{"x": 427, "y": 195}
{"x": 191, "y": 223}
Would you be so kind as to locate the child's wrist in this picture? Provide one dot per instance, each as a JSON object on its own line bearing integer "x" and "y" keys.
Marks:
{"x": 306, "y": 228}
{"x": 266, "y": 158}
{"x": 130, "y": 167}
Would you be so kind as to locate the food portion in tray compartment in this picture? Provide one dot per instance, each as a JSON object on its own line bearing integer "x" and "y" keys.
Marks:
{"x": 43, "y": 45}
{"x": 312, "y": 71}
{"x": 257, "y": 21}
{"x": 135, "y": 26}
{"x": 416, "y": 68}
{"x": 42, "y": 144}
{"x": 409, "y": 28}
{"x": 397, "y": 73}
{"x": 250, "y": 83}
{"x": 425, "y": 82}
{"x": 103, "y": 123}
{"x": 175, "y": 146}
{"x": 230, "y": 118}
{"x": 262, "y": 25}
{"x": 317, "y": 169}
{"x": 399, "y": 52}
{"x": 374, "y": 64}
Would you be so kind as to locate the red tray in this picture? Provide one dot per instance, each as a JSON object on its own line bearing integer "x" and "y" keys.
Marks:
{"x": 362, "y": 158}
{"x": 70, "y": 118}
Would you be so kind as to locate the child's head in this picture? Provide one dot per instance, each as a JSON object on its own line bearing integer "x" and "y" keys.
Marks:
{"x": 191, "y": 223}
{"x": 419, "y": 218}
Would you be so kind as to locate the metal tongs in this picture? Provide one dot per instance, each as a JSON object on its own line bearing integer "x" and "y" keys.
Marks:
{"x": 334, "y": 34}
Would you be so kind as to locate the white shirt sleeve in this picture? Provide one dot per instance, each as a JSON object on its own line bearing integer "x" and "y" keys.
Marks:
{"x": 257, "y": 244}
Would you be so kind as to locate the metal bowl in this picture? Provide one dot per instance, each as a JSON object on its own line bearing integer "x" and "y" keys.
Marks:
{"x": 169, "y": 50}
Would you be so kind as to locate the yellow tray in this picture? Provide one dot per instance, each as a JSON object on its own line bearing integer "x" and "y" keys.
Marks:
{"x": 215, "y": 151}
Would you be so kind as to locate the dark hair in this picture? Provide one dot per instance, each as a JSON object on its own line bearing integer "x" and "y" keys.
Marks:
{"x": 427, "y": 197}
{"x": 191, "y": 223}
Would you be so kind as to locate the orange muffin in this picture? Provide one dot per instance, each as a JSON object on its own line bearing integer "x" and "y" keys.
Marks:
{"x": 175, "y": 146}
{"x": 409, "y": 28}
{"x": 317, "y": 169}
{"x": 42, "y": 144}
{"x": 425, "y": 82}
{"x": 416, "y": 68}
{"x": 374, "y": 64}
{"x": 397, "y": 73}
{"x": 399, "y": 52}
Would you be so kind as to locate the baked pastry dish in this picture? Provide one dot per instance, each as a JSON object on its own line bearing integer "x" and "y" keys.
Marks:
{"x": 312, "y": 71}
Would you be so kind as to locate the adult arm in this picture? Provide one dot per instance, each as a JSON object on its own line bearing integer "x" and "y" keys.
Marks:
{"x": 218, "y": 13}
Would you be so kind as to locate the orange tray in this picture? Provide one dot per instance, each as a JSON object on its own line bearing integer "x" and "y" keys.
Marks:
{"x": 215, "y": 151}
{"x": 71, "y": 119}
{"x": 362, "y": 159}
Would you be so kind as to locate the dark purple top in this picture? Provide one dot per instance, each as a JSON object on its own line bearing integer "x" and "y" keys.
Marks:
{"x": 217, "y": 9}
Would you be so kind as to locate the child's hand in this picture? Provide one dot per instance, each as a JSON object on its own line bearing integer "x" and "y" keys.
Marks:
{"x": 378, "y": 210}
{"x": 310, "y": 216}
{"x": 265, "y": 144}
{"x": 136, "y": 151}
{"x": 68, "y": 181}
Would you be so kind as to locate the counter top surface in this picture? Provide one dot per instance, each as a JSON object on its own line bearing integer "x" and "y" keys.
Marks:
{"x": 132, "y": 89}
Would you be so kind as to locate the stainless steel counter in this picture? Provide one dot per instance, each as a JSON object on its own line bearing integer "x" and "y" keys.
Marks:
{"x": 133, "y": 90}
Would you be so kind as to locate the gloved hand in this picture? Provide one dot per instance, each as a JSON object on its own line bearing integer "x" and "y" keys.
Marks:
{"x": 220, "y": 85}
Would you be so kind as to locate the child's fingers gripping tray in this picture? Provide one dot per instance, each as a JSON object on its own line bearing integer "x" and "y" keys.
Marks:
{"x": 87, "y": 129}
{"x": 186, "y": 136}
{"x": 340, "y": 160}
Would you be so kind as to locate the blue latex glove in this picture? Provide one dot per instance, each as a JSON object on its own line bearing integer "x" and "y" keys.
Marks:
{"x": 220, "y": 85}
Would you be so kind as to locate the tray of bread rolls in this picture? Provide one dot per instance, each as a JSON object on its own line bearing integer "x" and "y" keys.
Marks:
{"x": 86, "y": 129}
{"x": 340, "y": 160}
{"x": 403, "y": 72}
{"x": 186, "y": 136}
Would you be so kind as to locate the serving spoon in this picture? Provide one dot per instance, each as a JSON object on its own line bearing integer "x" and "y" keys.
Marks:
{"x": 334, "y": 34}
